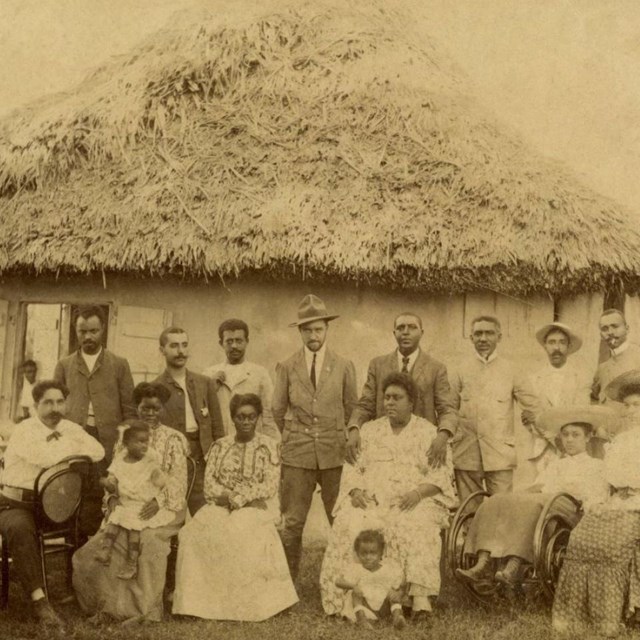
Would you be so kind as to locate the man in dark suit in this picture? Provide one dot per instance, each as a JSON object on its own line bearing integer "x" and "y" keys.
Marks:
{"x": 100, "y": 398}
{"x": 435, "y": 400}
{"x": 199, "y": 418}
{"x": 315, "y": 392}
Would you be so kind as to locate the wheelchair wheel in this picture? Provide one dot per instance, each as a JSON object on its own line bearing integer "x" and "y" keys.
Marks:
{"x": 481, "y": 591}
{"x": 550, "y": 542}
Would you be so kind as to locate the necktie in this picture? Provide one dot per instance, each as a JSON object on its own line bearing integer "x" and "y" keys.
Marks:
{"x": 313, "y": 371}
{"x": 405, "y": 364}
{"x": 54, "y": 435}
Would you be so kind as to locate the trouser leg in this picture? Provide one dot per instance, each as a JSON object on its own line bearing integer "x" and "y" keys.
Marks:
{"x": 468, "y": 482}
{"x": 329, "y": 480}
{"x": 18, "y": 532}
{"x": 298, "y": 486}
{"x": 499, "y": 481}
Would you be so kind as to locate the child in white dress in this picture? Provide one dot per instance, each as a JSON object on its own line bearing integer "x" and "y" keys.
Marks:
{"x": 136, "y": 478}
{"x": 373, "y": 583}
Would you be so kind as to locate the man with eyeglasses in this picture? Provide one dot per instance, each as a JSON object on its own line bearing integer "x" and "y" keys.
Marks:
{"x": 435, "y": 401}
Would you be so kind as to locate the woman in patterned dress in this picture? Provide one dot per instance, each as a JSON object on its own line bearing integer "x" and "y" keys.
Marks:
{"x": 599, "y": 583}
{"x": 98, "y": 588}
{"x": 231, "y": 564}
{"x": 393, "y": 488}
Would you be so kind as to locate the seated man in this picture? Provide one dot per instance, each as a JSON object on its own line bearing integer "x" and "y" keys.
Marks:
{"x": 38, "y": 443}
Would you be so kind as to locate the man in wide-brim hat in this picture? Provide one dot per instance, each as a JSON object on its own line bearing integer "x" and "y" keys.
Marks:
{"x": 558, "y": 383}
{"x": 314, "y": 395}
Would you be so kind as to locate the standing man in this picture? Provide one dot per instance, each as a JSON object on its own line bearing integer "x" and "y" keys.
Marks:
{"x": 192, "y": 407}
{"x": 40, "y": 442}
{"x": 486, "y": 386}
{"x": 435, "y": 400}
{"x": 100, "y": 398}
{"x": 558, "y": 383}
{"x": 29, "y": 371}
{"x": 624, "y": 355}
{"x": 238, "y": 376}
{"x": 315, "y": 393}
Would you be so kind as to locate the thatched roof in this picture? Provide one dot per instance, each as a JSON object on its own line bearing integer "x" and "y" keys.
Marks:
{"x": 309, "y": 142}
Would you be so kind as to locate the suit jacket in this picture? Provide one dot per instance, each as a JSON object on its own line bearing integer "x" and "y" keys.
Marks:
{"x": 485, "y": 396}
{"x": 251, "y": 378}
{"x": 109, "y": 387}
{"x": 204, "y": 402}
{"x": 313, "y": 421}
{"x": 613, "y": 367}
{"x": 574, "y": 390}
{"x": 435, "y": 400}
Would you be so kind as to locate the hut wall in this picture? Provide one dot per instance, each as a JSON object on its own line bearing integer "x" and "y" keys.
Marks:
{"x": 142, "y": 306}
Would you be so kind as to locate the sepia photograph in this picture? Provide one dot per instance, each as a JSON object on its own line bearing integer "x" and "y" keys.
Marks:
{"x": 319, "y": 319}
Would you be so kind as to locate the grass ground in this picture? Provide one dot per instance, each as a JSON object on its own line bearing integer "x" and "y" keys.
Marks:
{"x": 457, "y": 618}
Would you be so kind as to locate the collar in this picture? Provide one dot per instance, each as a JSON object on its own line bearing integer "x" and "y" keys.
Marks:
{"x": 621, "y": 349}
{"x": 491, "y": 358}
{"x": 578, "y": 457}
{"x": 413, "y": 356}
{"x": 169, "y": 378}
{"x": 555, "y": 370}
{"x": 308, "y": 354}
{"x": 91, "y": 355}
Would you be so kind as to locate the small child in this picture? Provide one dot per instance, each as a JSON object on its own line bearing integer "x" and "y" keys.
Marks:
{"x": 136, "y": 478}
{"x": 373, "y": 584}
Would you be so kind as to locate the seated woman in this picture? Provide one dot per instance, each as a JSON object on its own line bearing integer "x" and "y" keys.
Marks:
{"x": 504, "y": 524}
{"x": 99, "y": 589}
{"x": 599, "y": 581}
{"x": 393, "y": 488}
{"x": 231, "y": 564}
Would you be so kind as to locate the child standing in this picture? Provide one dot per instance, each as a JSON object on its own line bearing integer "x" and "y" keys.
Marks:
{"x": 136, "y": 478}
{"x": 373, "y": 584}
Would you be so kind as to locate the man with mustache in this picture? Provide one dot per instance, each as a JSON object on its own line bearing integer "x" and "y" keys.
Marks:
{"x": 434, "y": 401}
{"x": 38, "y": 443}
{"x": 192, "y": 407}
{"x": 623, "y": 355}
{"x": 557, "y": 384}
{"x": 100, "y": 398}
{"x": 486, "y": 386}
{"x": 314, "y": 395}
{"x": 238, "y": 376}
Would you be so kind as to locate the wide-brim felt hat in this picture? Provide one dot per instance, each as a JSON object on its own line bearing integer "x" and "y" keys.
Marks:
{"x": 575, "y": 341}
{"x": 613, "y": 389}
{"x": 605, "y": 421}
{"x": 311, "y": 309}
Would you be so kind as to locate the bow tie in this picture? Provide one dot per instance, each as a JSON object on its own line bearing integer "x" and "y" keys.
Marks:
{"x": 54, "y": 435}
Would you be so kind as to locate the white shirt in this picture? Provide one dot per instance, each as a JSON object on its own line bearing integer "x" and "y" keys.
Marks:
{"x": 554, "y": 378}
{"x": 29, "y": 451}
{"x": 621, "y": 349}
{"x": 308, "y": 358}
{"x": 190, "y": 423}
{"x": 90, "y": 360}
{"x": 489, "y": 359}
{"x": 412, "y": 359}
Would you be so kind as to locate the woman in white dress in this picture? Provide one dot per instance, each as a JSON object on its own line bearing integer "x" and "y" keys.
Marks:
{"x": 393, "y": 488}
{"x": 231, "y": 564}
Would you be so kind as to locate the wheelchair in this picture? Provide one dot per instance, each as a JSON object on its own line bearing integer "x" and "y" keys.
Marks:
{"x": 550, "y": 541}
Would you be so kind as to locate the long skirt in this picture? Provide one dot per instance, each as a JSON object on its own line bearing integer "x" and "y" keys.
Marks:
{"x": 598, "y": 584}
{"x": 505, "y": 523}
{"x": 99, "y": 589}
{"x": 231, "y": 566}
{"x": 412, "y": 539}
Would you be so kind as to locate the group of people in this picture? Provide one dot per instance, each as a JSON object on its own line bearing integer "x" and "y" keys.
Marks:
{"x": 392, "y": 463}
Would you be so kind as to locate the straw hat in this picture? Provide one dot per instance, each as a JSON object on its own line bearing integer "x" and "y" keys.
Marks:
{"x": 311, "y": 309}
{"x": 604, "y": 420}
{"x": 613, "y": 389}
{"x": 575, "y": 341}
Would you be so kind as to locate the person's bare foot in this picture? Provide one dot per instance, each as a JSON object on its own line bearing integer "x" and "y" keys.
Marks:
{"x": 361, "y": 621}
{"x": 98, "y": 619}
{"x": 398, "y": 620}
{"x": 47, "y": 615}
{"x": 104, "y": 556}
{"x": 129, "y": 571}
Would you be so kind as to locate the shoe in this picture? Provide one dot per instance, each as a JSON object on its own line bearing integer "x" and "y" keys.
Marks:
{"x": 479, "y": 571}
{"x": 509, "y": 575}
{"x": 421, "y": 617}
{"x": 129, "y": 571}
{"x": 47, "y": 615}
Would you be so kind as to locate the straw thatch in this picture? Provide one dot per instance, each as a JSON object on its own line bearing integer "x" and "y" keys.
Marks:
{"x": 311, "y": 141}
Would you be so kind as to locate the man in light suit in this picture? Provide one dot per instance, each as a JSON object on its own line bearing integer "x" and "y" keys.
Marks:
{"x": 314, "y": 394}
{"x": 100, "y": 399}
{"x": 239, "y": 376}
{"x": 486, "y": 386}
{"x": 192, "y": 407}
{"x": 435, "y": 400}
{"x": 557, "y": 384}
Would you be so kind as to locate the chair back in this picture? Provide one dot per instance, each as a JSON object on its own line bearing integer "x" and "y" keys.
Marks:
{"x": 58, "y": 492}
{"x": 191, "y": 475}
